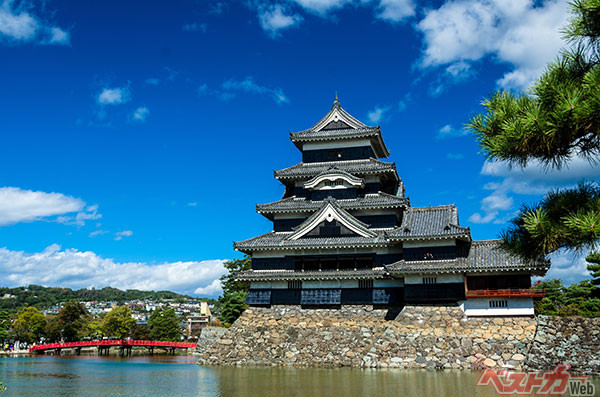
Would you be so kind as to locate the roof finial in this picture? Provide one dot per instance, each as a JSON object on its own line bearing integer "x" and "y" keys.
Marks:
{"x": 336, "y": 102}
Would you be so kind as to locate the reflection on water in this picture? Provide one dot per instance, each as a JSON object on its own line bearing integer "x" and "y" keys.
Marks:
{"x": 179, "y": 376}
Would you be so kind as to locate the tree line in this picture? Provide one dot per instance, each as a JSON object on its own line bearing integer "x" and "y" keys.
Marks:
{"x": 13, "y": 299}
{"x": 74, "y": 323}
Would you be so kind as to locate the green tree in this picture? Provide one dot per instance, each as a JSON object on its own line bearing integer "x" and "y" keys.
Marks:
{"x": 558, "y": 118}
{"x": 164, "y": 325}
{"x": 140, "y": 332}
{"x": 560, "y": 114}
{"x": 118, "y": 323}
{"x": 593, "y": 266}
{"x": 52, "y": 331}
{"x": 29, "y": 325}
{"x": 234, "y": 291}
{"x": 72, "y": 321}
{"x": 4, "y": 325}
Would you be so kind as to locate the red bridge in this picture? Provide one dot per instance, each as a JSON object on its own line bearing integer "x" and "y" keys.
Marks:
{"x": 104, "y": 346}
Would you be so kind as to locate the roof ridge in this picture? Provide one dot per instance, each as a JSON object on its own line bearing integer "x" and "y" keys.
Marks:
{"x": 489, "y": 241}
{"x": 431, "y": 207}
{"x": 355, "y": 130}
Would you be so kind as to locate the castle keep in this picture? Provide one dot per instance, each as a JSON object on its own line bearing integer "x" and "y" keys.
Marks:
{"x": 344, "y": 233}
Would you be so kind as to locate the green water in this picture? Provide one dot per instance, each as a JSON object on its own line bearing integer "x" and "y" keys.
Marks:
{"x": 179, "y": 376}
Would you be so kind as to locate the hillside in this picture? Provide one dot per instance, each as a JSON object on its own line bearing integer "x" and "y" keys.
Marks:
{"x": 44, "y": 297}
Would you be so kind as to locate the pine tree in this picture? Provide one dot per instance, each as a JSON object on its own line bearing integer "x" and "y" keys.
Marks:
{"x": 560, "y": 115}
{"x": 558, "y": 118}
{"x": 234, "y": 292}
{"x": 594, "y": 266}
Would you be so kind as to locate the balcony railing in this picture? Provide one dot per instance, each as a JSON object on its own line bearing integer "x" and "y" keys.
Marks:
{"x": 506, "y": 293}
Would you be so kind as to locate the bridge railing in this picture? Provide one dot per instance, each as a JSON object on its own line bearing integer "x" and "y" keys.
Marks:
{"x": 109, "y": 342}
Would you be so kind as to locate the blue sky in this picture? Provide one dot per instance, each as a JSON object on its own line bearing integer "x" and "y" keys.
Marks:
{"x": 136, "y": 138}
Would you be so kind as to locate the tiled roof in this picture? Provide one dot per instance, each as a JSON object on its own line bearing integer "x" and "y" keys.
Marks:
{"x": 347, "y": 127}
{"x": 336, "y": 114}
{"x": 286, "y": 275}
{"x": 330, "y": 207}
{"x": 277, "y": 240}
{"x": 430, "y": 222}
{"x": 308, "y": 135}
{"x": 484, "y": 256}
{"x": 301, "y": 205}
{"x": 356, "y": 167}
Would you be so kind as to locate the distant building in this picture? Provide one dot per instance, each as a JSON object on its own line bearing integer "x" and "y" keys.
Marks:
{"x": 345, "y": 234}
{"x": 197, "y": 321}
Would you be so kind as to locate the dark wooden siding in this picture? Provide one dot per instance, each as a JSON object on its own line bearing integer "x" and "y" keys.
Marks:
{"x": 428, "y": 293}
{"x": 388, "y": 296}
{"x": 284, "y": 263}
{"x": 285, "y": 225}
{"x": 327, "y": 262}
{"x": 372, "y": 187}
{"x": 326, "y": 296}
{"x": 375, "y": 221}
{"x": 285, "y": 296}
{"x": 348, "y": 193}
{"x": 420, "y": 253}
{"x": 348, "y": 153}
{"x": 386, "y": 259}
{"x": 499, "y": 282}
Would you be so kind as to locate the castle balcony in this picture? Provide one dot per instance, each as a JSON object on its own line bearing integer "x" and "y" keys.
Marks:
{"x": 506, "y": 293}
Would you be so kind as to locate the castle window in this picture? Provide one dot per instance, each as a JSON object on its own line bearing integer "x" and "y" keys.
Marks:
{"x": 295, "y": 284}
{"x": 337, "y": 182}
{"x": 365, "y": 283}
{"x": 495, "y": 304}
{"x": 429, "y": 280}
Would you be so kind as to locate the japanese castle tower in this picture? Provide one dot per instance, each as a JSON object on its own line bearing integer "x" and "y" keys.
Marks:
{"x": 344, "y": 233}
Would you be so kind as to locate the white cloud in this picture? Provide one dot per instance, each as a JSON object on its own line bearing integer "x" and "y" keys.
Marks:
{"x": 194, "y": 27}
{"x": 58, "y": 36}
{"x": 275, "y": 18}
{"x": 376, "y": 115}
{"x": 17, "y": 24}
{"x": 98, "y": 233}
{"x": 124, "y": 233}
{"x": 322, "y": 7}
{"x": 448, "y": 131}
{"x": 522, "y": 33}
{"x": 395, "y": 10}
{"x": 478, "y": 218}
{"x": 17, "y": 205}
{"x": 250, "y": 86}
{"x": 212, "y": 289}
{"x": 537, "y": 178}
{"x": 89, "y": 213}
{"x": 192, "y": 204}
{"x": 141, "y": 113}
{"x": 534, "y": 179}
{"x": 84, "y": 269}
{"x": 458, "y": 69}
{"x": 496, "y": 201}
{"x": 114, "y": 96}
{"x": 570, "y": 267}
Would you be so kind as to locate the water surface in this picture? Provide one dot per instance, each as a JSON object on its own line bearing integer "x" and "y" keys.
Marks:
{"x": 179, "y": 376}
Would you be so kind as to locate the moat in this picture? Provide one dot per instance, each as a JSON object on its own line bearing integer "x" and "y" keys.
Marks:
{"x": 179, "y": 376}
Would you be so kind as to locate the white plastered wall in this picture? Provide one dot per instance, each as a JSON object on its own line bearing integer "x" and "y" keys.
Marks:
{"x": 481, "y": 307}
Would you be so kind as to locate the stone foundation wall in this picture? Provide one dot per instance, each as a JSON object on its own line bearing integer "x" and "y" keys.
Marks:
{"x": 566, "y": 340}
{"x": 208, "y": 336}
{"x": 418, "y": 337}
